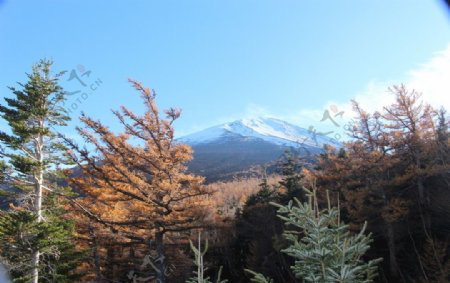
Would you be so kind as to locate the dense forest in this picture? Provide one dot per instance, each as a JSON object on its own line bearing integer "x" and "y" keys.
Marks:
{"x": 123, "y": 207}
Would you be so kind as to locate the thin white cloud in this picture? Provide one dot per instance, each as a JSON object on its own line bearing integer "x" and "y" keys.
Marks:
{"x": 374, "y": 96}
{"x": 255, "y": 111}
{"x": 432, "y": 79}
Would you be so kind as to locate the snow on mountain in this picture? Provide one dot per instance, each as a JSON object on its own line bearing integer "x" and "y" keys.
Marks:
{"x": 268, "y": 129}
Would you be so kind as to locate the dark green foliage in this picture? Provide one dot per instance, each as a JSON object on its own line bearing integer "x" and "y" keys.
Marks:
{"x": 292, "y": 178}
{"x": 62, "y": 259}
{"x": 31, "y": 154}
{"x": 326, "y": 251}
{"x": 3, "y": 171}
{"x": 21, "y": 233}
{"x": 259, "y": 240}
{"x": 265, "y": 194}
{"x": 321, "y": 246}
{"x": 34, "y": 111}
{"x": 258, "y": 244}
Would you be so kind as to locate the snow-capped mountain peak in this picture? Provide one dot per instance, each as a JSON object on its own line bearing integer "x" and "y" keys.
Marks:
{"x": 268, "y": 129}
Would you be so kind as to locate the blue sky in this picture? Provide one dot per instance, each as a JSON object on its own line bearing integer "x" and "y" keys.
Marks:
{"x": 225, "y": 60}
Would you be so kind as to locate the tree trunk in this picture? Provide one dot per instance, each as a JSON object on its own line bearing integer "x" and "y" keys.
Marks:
{"x": 35, "y": 264}
{"x": 393, "y": 266}
{"x": 424, "y": 204}
{"x": 421, "y": 189}
{"x": 161, "y": 260}
{"x": 390, "y": 235}
{"x": 95, "y": 255}
{"x": 110, "y": 260}
{"x": 38, "y": 212}
{"x": 39, "y": 179}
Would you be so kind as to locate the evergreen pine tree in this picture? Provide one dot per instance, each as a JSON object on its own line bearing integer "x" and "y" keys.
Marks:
{"x": 21, "y": 233}
{"x": 265, "y": 194}
{"x": 35, "y": 238}
{"x": 326, "y": 252}
{"x": 292, "y": 178}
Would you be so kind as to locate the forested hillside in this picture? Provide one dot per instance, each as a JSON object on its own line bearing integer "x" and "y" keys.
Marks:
{"x": 375, "y": 210}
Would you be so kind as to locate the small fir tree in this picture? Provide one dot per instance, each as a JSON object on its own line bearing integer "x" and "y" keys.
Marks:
{"x": 199, "y": 275}
{"x": 266, "y": 194}
{"x": 326, "y": 252}
{"x": 292, "y": 178}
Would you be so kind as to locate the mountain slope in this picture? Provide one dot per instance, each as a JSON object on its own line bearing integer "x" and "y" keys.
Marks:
{"x": 222, "y": 151}
{"x": 268, "y": 129}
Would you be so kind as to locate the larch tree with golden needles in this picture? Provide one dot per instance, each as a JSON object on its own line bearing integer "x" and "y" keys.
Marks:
{"x": 414, "y": 131}
{"x": 411, "y": 125}
{"x": 390, "y": 174}
{"x": 137, "y": 184}
{"x": 359, "y": 172}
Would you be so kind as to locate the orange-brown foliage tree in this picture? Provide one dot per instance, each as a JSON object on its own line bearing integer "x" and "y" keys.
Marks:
{"x": 136, "y": 186}
{"x": 387, "y": 173}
